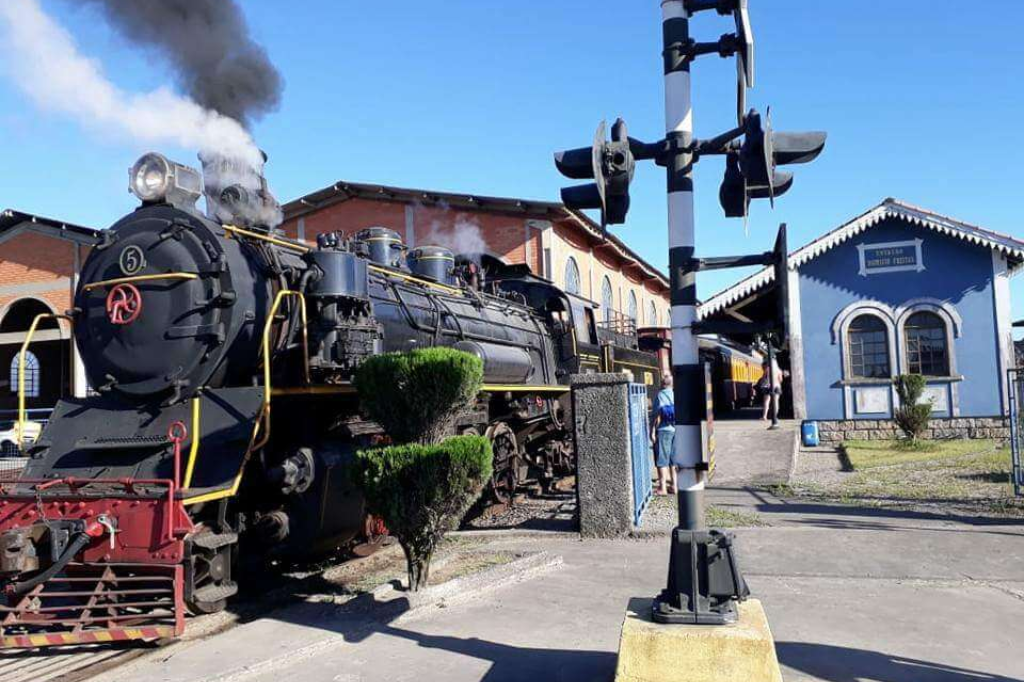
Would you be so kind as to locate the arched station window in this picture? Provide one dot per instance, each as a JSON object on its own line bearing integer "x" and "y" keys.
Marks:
{"x": 927, "y": 345}
{"x": 652, "y": 315}
{"x": 31, "y": 374}
{"x": 607, "y": 300}
{"x": 868, "y": 344}
{"x": 632, "y": 311}
{"x": 572, "y": 276}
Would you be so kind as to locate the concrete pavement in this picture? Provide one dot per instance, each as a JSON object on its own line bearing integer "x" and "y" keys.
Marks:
{"x": 748, "y": 453}
{"x": 852, "y": 594}
{"x": 911, "y": 599}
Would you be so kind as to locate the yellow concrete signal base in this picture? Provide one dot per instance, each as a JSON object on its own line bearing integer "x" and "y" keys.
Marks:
{"x": 651, "y": 652}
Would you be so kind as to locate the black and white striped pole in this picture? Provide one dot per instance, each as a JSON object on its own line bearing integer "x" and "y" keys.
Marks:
{"x": 704, "y": 581}
{"x": 687, "y": 377}
{"x": 703, "y": 577}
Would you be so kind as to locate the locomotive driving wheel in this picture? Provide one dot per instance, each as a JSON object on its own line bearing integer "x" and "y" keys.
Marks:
{"x": 505, "y": 478}
{"x": 208, "y": 578}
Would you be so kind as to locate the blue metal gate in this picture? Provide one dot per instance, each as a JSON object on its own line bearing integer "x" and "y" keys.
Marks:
{"x": 1015, "y": 381}
{"x": 639, "y": 436}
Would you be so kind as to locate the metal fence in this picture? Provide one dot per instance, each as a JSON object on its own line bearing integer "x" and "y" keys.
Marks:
{"x": 1016, "y": 390}
{"x": 639, "y": 436}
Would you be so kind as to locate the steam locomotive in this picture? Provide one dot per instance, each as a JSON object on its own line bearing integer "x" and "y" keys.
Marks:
{"x": 224, "y": 414}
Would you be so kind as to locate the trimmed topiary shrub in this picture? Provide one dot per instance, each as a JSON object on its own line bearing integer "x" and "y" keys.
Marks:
{"x": 422, "y": 492}
{"x": 912, "y": 415}
{"x": 417, "y": 396}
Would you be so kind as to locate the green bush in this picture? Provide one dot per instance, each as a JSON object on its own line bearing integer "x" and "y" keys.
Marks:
{"x": 417, "y": 396}
{"x": 912, "y": 415}
{"x": 422, "y": 492}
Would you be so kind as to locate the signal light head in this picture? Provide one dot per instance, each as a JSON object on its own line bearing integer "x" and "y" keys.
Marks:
{"x": 610, "y": 164}
{"x": 755, "y": 163}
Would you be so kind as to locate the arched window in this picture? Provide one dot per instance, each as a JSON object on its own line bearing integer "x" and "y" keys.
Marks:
{"x": 572, "y": 276}
{"x": 868, "y": 344}
{"x": 632, "y": 309}
{"x": 31, "y": 374}
{"x": 652, "y": 315}
{"x": 607, "y": 301}
{"x": 927, "y": 345}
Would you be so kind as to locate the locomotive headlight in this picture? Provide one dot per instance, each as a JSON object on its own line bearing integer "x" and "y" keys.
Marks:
{"x": 155, "y": 179}
{"x": 150, "y": 177}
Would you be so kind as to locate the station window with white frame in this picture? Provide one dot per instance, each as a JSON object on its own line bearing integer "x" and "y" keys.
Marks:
{"x": 927, "y": 344}
{"x": 867, "y": 341}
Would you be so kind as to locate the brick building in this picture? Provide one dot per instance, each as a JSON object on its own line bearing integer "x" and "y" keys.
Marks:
{"x": 557, "y": 243}
{"x": 40, "y": 260}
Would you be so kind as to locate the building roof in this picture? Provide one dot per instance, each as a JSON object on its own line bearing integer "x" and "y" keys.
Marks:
{"x": 13, "y": 223}
{"x": 343, "y": 191}
{"x": 890, "y": 208}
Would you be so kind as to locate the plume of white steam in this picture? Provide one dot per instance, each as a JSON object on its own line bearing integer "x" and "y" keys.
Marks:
{"x": 464, "y": 237}
{"x": 41, "y": 57}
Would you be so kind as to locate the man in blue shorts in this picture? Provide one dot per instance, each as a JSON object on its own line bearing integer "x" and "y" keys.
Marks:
{"x": 663, "y": 434}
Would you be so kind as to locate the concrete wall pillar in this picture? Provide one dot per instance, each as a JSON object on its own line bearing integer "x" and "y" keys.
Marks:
{"x": 794, "y": 326}
{"x": 604, "y": 483}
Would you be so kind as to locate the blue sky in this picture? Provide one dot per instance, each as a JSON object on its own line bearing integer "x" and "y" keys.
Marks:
{"x": 918, "y": 98}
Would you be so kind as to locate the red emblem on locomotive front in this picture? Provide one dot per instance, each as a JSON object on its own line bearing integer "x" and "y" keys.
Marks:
{"x": 124, "y": 303}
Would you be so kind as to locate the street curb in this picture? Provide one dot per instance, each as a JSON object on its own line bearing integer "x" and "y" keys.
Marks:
{"x": 791, "y": 469}
{"x": 469, "y": 587}
{"x": 512, "y": 533}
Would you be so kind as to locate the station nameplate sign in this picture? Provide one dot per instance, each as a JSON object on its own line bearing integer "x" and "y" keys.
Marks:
{"x": 890, "y": 257}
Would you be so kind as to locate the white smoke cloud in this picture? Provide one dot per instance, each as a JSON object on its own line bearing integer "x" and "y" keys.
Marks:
{"x": 41, "y": 57}
{"x": 465, "y": 236}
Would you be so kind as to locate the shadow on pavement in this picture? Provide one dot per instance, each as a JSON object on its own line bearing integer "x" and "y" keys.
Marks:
{"x": 362, "y": 617}
{"x": 847, "y": 516}
{"x": 515, "y": 664}
{"x": 843, "y": 510}
{"x": 842, "y": 664}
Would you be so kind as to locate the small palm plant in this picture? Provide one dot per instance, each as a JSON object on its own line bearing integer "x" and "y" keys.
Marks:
{"x": 912, "y": 415}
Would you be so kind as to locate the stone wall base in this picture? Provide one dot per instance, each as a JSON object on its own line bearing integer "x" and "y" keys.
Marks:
{"x": 836, "y": 431}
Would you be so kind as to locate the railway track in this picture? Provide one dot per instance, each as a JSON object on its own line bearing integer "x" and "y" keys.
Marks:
{"x": 274, "y": 590}
{"x": 73, "y": 664}
{"x": 81, "y": 663}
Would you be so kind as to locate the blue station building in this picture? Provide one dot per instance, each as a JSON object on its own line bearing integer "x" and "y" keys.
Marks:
{"x": 897, "y": 290}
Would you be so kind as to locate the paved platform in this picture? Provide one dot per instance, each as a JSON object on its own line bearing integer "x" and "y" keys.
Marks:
{"x": 748, "y": 453}
{"x": 852, "y": 594}
{"x": 849, "y": 595}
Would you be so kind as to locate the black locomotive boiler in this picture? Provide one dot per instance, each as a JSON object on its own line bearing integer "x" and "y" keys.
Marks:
{"x": 224, "y": 416}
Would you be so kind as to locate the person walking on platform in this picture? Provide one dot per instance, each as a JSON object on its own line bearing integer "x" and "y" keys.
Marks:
{"x": 770, "y": 394}
{"x": 663, "y": 432}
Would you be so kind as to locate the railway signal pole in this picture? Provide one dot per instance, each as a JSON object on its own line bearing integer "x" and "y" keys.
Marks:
{"x": 704, "y": 580}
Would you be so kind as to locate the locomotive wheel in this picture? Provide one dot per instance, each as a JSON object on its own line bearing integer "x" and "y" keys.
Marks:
{"x": 209, "y": 571}
{"x": 505, "y": 478}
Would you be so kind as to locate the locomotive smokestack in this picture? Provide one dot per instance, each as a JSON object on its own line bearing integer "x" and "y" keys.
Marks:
{"x": 208, "y": 43}
{"x": 238, "y": 194}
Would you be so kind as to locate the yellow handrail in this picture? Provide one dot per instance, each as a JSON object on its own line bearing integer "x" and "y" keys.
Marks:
{"x": 194, "y": 450}
{"x": 140, "y": 278}
{"x": 267, "y": 328}
{"x": 23, "y": 353}
{"x": 284, "y": 243}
